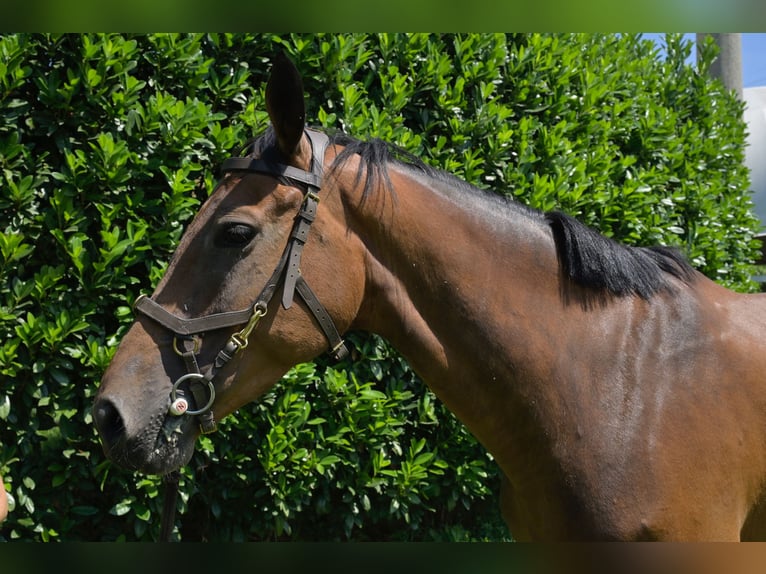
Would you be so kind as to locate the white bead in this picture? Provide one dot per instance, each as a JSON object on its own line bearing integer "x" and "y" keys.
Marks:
{"x": 179, "y": 407}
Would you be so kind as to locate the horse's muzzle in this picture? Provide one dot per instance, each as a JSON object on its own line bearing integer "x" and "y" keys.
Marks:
{"x": 159, "y": 445}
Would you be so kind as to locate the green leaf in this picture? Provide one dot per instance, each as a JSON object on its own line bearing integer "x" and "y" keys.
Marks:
{"x": 5, "y": 407}
{"x": 121, "y": 508}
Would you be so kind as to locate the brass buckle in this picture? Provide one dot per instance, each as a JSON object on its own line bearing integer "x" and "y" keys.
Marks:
{"x": 311, "y": 195}
{"x": 240, "y": 339}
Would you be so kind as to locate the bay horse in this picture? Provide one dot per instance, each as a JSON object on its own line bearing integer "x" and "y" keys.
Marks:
{"x": 621, "y": 392}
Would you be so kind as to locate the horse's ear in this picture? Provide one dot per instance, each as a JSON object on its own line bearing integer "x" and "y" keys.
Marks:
{"x": 285, "y": 104}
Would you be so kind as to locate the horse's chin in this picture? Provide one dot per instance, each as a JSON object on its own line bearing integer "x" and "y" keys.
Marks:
{"x": 173, "y": 447}
{"x": 159, "y": 449}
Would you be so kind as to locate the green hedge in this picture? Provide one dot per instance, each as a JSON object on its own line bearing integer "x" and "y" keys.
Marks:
{"x": 108, "y": 144}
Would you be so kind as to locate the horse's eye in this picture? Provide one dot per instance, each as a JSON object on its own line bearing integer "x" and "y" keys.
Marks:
{"x": 235, "y": 235}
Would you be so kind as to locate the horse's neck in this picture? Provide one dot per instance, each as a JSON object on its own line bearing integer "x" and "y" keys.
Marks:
{"x": 457, "y": 291}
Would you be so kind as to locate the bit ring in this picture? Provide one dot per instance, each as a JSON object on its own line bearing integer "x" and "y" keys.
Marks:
{"x": 196, "y": 377}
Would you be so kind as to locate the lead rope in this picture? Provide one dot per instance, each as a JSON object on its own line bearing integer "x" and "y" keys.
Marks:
{"x": 170, "y": 495}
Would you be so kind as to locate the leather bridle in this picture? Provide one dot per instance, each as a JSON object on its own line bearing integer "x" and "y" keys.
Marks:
{"x": 188, "y": 332}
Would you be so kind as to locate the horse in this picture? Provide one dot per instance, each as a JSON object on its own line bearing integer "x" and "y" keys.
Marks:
{"x": 621, "y": 392}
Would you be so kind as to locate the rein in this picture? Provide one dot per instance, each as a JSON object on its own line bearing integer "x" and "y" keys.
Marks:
{"x": 197, "y": 387}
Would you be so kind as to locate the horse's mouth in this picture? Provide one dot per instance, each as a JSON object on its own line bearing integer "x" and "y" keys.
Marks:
{"x": 165, "y": 444}
{"x": 173, "y": 446}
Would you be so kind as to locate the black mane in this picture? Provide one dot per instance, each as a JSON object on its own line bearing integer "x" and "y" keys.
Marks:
{"x": 375, "y": 156}
{"x": 587, "y": 257}
{"x": 596, "y": 261}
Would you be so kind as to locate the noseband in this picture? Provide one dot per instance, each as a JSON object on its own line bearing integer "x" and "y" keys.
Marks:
{"x": 188, "y": 331}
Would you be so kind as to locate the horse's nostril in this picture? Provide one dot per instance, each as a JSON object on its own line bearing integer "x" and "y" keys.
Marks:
{"x": 108, "y": 421}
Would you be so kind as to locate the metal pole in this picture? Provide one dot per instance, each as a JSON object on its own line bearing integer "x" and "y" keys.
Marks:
{"x": 727, "y": 67}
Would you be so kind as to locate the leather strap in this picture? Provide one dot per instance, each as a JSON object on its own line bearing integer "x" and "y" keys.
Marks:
{"x": 312, "y": 178}
{"x": 194, "y": 326}
{"x": 298, "y": 239}
{"x": 272, "y": 168}
{"x": 319, "y": 142}
{"x": 198, "y": 390}
{"x": 170, "y": 482}
{"x": 338, "y": 349}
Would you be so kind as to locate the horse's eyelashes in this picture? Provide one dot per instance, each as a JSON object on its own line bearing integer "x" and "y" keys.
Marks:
{"x": 235, "y": 235}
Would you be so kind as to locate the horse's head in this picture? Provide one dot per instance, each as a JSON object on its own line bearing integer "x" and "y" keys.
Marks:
{"x": 233, "y": 312}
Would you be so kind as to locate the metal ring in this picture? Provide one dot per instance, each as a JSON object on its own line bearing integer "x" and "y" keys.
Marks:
{"x": 199, "y": 377}
{"x": 195, "y": 350}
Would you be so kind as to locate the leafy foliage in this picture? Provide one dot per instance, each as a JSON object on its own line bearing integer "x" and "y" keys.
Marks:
{"x": 108, "y": 145}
